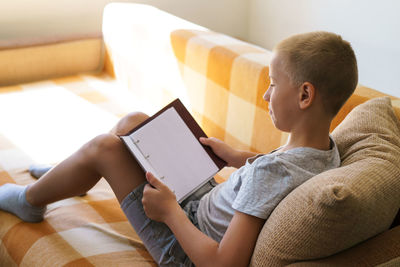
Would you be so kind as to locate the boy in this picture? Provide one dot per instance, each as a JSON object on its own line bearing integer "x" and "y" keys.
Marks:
{"x": 312, "y": 75}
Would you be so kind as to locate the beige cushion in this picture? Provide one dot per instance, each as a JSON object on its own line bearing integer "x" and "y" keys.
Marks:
{"x": 342, "y": 207}
{"x": 382, "y": 250}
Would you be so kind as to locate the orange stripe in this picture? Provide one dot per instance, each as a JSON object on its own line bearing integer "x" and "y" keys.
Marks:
{"x": 212, "y": 129}
{"x": 5, "y": 178}
{"x": 360, "y": 95}
{"x": 219, "y": 65}
{"x": 351, "y": 103}
{"x": 22, "y": 236}
{"x": 83, "y": 262}
{"x": 67, "y": 80}
{"x": 179, "y": 39}
{"x": 370, "y": 93}
{"x": 10, "y": 89}
{"x": 109, "y": 210}
{"x": 263, "y": 84}
{"x": 108, "y": 63}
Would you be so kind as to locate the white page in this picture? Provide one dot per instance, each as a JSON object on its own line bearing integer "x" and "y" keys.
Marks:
{"x": 138, "y": 154}
{"x": 175, "y": 153}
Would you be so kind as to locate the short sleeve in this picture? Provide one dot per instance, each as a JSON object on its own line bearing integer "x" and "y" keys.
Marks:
{"x": 264, "y": 184}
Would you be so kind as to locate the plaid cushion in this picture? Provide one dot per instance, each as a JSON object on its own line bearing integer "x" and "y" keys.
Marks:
{"x": 225, "y": 80}
{"x": 80, "y": 231}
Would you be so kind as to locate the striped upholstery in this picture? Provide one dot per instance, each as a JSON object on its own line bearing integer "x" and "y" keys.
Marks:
{"x": 220, "y": 79}
{"x": 87, "y": 231}
{"x": 225, "y": 80}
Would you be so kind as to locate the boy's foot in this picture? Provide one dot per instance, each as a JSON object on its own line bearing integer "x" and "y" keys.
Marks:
{"x": 13, "y": 200}
{"x": 38, "y": 171}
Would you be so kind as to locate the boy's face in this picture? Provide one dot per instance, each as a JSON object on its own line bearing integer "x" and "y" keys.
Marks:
{"x": 281, "y": 95}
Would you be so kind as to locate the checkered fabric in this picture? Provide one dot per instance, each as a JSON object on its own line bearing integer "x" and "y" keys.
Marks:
{"x": 225, "y": 80}
{"x": 80, "y": 231}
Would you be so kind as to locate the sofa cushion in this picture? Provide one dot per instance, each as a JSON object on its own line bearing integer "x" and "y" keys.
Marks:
{"x": 381, "y": 250}
{"x": 340, "y": 208}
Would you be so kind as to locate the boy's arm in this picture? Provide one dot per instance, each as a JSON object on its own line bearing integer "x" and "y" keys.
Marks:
{"x": 236, "y": 247}
{"x": 234, "y": 158}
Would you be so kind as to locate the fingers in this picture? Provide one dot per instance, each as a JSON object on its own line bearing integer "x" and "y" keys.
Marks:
{"x": 208, "y": 141}
{"x": 204, "y": 140}
{"x": 154, "y": 181}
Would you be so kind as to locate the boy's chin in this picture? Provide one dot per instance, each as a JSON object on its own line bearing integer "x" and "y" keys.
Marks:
{"x": 279, "y": 126}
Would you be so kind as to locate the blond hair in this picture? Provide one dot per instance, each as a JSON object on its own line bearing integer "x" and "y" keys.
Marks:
{"x": 325, "y": 60}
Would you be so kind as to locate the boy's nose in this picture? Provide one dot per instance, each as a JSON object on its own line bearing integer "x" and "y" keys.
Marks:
{"x": 267, "y": 95}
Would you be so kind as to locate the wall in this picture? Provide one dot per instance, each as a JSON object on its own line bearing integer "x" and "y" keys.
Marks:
{"x": 27, "y": 19}
{"x": 373, "y": 28}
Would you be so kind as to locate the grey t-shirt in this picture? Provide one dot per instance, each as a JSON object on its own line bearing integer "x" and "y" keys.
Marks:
{"x": 258, "y": 186}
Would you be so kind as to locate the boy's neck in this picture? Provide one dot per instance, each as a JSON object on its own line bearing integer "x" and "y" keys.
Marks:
{"x": 314, "y": 136}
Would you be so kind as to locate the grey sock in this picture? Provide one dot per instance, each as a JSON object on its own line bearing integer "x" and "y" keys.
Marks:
{"x": 13, "y": 200}
{"x": 38, "y": 171}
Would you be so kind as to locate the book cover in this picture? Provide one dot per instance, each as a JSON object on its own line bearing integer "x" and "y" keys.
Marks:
{"x": 167, "y": 144}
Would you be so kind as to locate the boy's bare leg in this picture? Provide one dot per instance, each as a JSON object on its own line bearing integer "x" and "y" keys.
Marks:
{"x": 122, "y": 127}
{"x": 104, "y": 156}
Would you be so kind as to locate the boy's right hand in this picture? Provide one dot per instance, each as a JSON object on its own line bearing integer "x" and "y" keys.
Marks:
{"x": 221, "y": 149}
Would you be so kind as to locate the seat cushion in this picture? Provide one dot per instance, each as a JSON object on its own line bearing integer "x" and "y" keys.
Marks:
{"x": 340, "y": 208}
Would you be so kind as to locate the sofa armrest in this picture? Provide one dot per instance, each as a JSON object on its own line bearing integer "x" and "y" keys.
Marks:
{"x": 138, "y": 45}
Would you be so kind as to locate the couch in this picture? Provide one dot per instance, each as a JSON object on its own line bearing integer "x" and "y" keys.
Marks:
{"x": 56, "y": 94}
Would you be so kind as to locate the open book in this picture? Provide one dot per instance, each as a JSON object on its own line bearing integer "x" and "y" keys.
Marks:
{"x": 167, "y": 144}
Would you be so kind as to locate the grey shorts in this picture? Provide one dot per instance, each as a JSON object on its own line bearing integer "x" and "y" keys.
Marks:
{"x": 156, "y": 236}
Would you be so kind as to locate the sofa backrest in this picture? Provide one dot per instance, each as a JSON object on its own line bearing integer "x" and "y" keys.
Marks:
{"x": 225, "y": 80}
{"x": 30, "y": 60}
{"x": 220, "y": 79}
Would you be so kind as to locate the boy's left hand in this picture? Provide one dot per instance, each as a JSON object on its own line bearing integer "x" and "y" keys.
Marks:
{"x": 158, "y": 200}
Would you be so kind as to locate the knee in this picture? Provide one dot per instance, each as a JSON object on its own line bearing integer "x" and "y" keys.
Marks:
{"x": 135, "y": 117}
{"x": 128, "y": 122}
{"x": 103, "y": 144}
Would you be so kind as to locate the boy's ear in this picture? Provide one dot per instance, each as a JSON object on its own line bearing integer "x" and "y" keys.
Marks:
{"x": 306, "y": 95}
